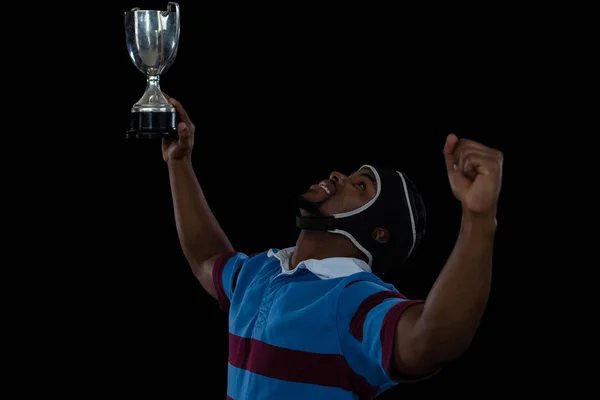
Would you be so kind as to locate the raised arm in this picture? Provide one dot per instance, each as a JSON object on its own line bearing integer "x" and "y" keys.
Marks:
{"x": 439, "y": 331}
{"x": 202, "y": 239}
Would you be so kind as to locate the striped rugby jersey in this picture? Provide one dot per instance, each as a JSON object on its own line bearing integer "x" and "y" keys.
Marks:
{"x": 324, "y": 330}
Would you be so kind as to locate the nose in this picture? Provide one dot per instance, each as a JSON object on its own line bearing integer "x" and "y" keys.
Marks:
{"x": 338, "y": 178}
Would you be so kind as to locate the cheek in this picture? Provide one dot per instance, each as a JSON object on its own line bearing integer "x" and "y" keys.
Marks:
{"x": 330, "y": 207}
{"x": 338, "y": 205}
{"x": 351, "y": 204}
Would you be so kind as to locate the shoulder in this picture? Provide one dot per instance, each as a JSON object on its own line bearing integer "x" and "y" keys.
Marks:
{"x": 254, "y": 262}
{"x": 358, "y": 287}
{"x": 249, "y": 267}
{"x": 361, "y": 294}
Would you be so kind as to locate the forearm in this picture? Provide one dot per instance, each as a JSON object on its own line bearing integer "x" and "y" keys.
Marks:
{"x": 200, "y": 234}
{"x": 457, "y": 300}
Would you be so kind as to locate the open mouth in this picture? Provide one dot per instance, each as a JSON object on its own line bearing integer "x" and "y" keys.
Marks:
{"x": 325, "y": 186}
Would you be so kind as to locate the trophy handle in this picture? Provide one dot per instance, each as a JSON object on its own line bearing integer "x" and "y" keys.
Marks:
{"x": 173, "y": 7}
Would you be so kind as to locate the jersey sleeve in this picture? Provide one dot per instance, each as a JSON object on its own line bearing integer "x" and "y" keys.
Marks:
{"x": 226, "y": 272}
{"x": 368, "y": 313}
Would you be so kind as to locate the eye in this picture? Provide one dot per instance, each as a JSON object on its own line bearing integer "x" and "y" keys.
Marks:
{"x": 362, "y": 185}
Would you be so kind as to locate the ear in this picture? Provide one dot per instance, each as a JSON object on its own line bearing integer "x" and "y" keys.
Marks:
{"x": 381, "y": 235}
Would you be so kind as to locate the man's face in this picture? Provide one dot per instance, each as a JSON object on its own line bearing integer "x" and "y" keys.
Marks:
{"x": 339, "y": 193}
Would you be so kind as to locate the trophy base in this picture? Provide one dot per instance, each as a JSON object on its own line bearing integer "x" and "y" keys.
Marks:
{"x": 152, "y": 125}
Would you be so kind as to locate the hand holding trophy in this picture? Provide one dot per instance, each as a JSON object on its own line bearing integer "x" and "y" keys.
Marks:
{"x": 152, "y": 38}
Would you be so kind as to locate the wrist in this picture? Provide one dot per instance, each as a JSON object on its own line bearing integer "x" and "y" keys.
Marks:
{"x": 178, "y": 163}
{"x": 483, "y": 223}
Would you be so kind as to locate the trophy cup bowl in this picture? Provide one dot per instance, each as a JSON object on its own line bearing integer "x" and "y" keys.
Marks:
{"x": 152, "y": 38}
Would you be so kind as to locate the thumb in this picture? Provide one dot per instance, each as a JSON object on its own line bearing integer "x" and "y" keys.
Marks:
{"x": 184, "y": 136}
{"x": 449, "y": 147}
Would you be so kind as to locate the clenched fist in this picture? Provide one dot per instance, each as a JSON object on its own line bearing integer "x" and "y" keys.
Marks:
{"x": 181, "y": 147}
{"x": 475, "y": 174}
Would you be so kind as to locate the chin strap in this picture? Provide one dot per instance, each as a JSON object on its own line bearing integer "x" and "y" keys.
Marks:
{"x": 315, "y": 223}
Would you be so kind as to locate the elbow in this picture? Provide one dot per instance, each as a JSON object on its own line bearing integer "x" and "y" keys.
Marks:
{"x": 423, "y": 347}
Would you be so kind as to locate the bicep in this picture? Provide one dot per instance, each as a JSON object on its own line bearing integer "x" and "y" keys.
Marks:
{"x": 410, "y": 357}
{"x": 204, "y": 273}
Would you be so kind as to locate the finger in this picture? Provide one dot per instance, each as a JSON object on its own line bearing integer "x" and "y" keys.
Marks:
{"x": 471, "y": 144}
{"x": 468, "y": 169}
{"x": 475, "y": 164}
{"x": 181, "y": 111}
{"x": 449, "y": 148}
{"x": 451, "y": 142}
{"x": 463, "y": 153}
{"x": 166, "y": 142}
{"x": 184, "y": 136}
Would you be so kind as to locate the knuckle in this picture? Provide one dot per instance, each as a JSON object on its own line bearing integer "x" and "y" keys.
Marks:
{"x": 496, "y": 156}
{"x": 468, "y": 143}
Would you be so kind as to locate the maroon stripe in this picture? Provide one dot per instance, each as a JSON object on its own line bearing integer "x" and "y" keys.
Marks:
{"x": 359, "y": 318}
{"x": 388, "y": 336}
{"x": 229, "y": 398}
{"x": 218, "y": 279}
{"x": 297, "y": 366}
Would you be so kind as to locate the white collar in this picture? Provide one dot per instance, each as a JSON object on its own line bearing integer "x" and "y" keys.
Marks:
{"x": 328, "y": 268}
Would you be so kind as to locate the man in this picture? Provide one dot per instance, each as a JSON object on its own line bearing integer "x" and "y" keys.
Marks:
{"x": 315, "y": 321}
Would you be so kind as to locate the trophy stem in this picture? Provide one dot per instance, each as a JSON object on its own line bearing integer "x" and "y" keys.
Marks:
{"x": 153, "y": 116}
{"x": 153, "y": 80}
{"x": 153, "y": 96}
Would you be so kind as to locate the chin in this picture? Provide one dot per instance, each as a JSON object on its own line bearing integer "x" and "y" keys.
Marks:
{"x": 309, "y": 206}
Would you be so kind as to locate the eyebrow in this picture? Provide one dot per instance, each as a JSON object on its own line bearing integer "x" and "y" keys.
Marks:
{"x": 369, "y": 176}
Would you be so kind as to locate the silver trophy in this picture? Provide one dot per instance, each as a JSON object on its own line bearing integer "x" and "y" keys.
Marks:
{"x": 152, "y": 38}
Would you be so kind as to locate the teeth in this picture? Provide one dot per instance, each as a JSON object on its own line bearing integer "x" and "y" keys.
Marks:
{"x": 325, "y": 188}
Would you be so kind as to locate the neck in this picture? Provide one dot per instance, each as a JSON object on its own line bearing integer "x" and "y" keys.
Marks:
{"x": 319, "y": 245}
